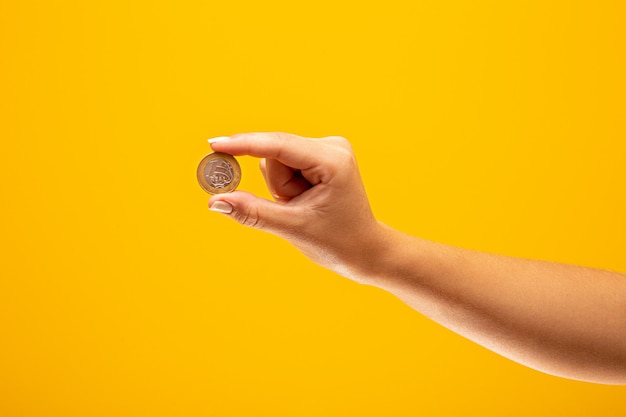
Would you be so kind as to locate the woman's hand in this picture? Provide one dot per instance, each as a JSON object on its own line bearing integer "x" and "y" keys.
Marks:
{"x": 321, "y": 206}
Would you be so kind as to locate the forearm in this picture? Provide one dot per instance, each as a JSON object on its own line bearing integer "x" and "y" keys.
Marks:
{"x": 564, "y": 320}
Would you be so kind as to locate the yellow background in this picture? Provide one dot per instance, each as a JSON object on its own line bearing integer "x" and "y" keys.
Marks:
{"x": 492, "y": 125}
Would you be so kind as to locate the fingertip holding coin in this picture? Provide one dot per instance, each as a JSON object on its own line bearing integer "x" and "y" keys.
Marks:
{"x": 218, "y": 173}
{"x": 218, "y": 139}
{"x": 221, "y": 207}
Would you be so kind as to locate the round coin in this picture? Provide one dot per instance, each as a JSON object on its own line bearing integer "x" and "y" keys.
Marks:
{"x": 219, "y": 173}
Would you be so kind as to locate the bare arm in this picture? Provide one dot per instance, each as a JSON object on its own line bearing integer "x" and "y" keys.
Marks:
{"x": 560, "y": 319}
{"x": 563, "y": 320}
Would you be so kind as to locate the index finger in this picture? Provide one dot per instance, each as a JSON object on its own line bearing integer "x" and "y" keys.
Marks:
{"x": 292, "y": 150}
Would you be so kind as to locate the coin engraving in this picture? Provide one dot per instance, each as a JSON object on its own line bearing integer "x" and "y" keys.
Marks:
{"x": 218, "y": 173}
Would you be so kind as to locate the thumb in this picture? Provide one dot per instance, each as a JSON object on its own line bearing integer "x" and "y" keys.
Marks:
{"x": 255, "y": 212}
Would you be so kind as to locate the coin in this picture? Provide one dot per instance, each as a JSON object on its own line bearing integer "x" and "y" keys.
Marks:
{"x": 218, "y": 173}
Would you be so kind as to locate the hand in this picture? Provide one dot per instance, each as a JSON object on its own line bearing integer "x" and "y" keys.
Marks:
{"x": 321, "y": 206}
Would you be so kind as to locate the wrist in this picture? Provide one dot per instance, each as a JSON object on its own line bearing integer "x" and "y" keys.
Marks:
{"x": 376, "y": 261}
{"x": 396, "y": 261}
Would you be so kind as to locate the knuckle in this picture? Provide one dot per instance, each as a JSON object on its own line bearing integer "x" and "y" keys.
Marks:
{"x": 341, "y": 142}
{"x": 281, "y": 137}
{"x": 343, "y": 159}
{"x": 342, "y": 149}
{"x": 248, "y": 217}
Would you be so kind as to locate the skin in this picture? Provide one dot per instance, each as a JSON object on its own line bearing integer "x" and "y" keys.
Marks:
{"x": 563, "y": 320}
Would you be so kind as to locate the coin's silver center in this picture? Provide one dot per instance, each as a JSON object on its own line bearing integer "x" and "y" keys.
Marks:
{"x": 218, "y": 173}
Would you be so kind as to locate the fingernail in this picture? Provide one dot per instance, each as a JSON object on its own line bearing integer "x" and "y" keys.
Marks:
{"x": 218, "y": 139}
{"x": 221, "y": 207}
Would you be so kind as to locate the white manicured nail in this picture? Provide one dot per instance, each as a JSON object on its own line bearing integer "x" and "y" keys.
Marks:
{"x": 218, "y": 139}
{"x": 221, "y": 207}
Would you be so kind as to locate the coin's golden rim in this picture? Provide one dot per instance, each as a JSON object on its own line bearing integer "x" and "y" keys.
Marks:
{"x": 203, "y": 163}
